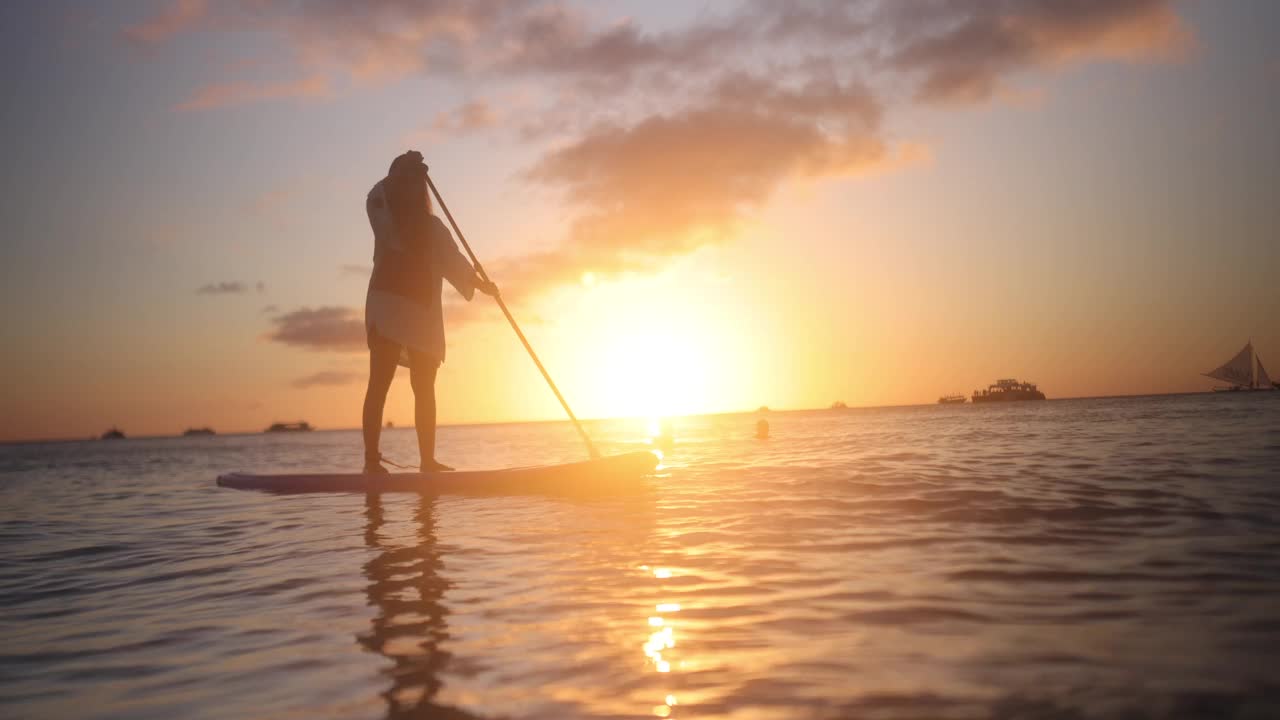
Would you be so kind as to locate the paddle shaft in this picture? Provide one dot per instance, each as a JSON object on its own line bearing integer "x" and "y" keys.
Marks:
{"x": 591, "y": 448}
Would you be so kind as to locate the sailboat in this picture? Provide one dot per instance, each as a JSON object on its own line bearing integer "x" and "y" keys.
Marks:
{"x": 1239, "y": 372}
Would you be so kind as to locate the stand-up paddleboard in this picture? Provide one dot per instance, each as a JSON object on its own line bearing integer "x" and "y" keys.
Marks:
{"x": 607, "y": 474}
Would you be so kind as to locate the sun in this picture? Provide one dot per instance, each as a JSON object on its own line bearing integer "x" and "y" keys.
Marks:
{"x": 654, "y": 373}
{"x": 652, "y": 348}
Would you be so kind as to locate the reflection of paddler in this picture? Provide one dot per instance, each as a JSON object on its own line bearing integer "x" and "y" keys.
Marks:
{"x": 762, "y": 429}
{"x": 406, "y": 589}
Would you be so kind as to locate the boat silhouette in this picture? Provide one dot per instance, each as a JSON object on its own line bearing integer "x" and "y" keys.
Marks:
{"x": 1239, "y": 373}
{"x": 290, "y": 427}
{"x": 1006, "y": 390}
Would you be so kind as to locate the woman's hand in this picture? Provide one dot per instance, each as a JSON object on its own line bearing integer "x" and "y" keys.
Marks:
{"x": 486, "y": 287}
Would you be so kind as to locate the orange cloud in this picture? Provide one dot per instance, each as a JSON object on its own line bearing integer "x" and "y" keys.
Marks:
{"x": 960, "y": 49}
{"x": 174, "y": 18}
{"x": 672, "y": 183}
{"x": 1134, "y": 30}
{"x": 374, "y": 41}
{"x": 648, "y": 186}
{"x": 469, "y": 117}
{"x": 223, "y": 95}
{"x": 980, "y": 43}
{"x": 556, "y": 39}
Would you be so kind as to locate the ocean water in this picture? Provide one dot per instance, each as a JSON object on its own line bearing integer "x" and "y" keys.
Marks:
{"x": 1112, "y": 558}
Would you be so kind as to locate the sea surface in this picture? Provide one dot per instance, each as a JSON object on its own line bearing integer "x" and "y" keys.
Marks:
{"x": 1110, "y": 558}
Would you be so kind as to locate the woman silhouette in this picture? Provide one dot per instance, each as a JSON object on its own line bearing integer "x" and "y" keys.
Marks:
{"x": 413, "y": 253}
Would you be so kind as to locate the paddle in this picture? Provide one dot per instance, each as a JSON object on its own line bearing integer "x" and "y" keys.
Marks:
{"x": 591, "y": 448}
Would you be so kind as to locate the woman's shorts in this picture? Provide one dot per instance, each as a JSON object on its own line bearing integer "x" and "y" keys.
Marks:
{"x": 379, "y": 345}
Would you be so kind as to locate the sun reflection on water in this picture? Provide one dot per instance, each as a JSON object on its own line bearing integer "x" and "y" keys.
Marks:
{"x": 654, "y": 426}
{"x": 661, "y": 640}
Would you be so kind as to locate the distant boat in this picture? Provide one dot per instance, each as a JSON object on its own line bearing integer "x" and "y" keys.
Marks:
{"x": 951, "y": 400}
{"x": 1006, "y": 390}
{"x": 114, "y": 433}
{"x": 1239, "y": 372}
{"x": 763, "y": 408}
{"x": 290, "y": 427}
{"x": 199, "y": 431}
{"x": 839, "y": 405}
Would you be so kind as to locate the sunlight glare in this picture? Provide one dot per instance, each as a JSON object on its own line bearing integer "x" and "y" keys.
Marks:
{"x": 655, "y": 348}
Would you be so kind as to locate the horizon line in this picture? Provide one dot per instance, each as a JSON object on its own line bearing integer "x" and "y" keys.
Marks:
{"x": 246, "y": 433}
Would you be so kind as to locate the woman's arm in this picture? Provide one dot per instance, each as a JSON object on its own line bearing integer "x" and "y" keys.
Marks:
{"x": 455, "y": 268}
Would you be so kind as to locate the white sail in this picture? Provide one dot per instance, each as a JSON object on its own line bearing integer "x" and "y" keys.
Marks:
{"x": 1264, "y": 381}
{"x": 1238, "y": 370}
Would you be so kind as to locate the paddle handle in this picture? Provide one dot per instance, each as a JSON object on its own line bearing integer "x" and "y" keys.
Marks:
{"x": 591, "y": 448}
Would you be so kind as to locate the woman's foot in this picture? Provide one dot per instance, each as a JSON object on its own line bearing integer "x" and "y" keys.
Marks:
{"x": 435, "y": 466}
{"x": 373, "y": 467}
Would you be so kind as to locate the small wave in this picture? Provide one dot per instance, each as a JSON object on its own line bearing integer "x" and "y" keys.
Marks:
{"x": 912, "y": 615}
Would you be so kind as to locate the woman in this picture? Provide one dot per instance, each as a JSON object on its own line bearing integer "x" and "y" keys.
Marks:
{"x": 412, "y": 253}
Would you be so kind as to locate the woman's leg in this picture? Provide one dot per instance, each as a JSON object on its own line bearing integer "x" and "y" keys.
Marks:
{"x": 422, "y": 375}
{"x": 383, "y": 357}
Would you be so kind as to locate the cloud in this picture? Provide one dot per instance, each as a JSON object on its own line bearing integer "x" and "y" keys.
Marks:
{"x": 704, "y": 120}
{"x": 327, "y": 378}
{"x": 467, "y": 118}
{"x": 369, "y": 42}
{"x": 963, "y": 55}
{"x": 672, "y": 183}
{"x": 648, "y": 185}
{"x": 557, "y": 39}
{"x": 387, "y": 40}
{"x": 239, "y": 93}
{"x": 172, "y": 19}
{"x": 683, "y": 176}
{"x": 960, "y": 48}
{"x": 337, "y": 329}
{"x": 233, "y": 287}
{"x": 223, "y": 288}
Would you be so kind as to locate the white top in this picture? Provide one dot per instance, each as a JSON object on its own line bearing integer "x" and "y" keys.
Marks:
{"x": 399, "y": 319}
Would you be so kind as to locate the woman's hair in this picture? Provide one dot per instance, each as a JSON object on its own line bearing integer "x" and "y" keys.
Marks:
{"x": 407, "y": 194}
